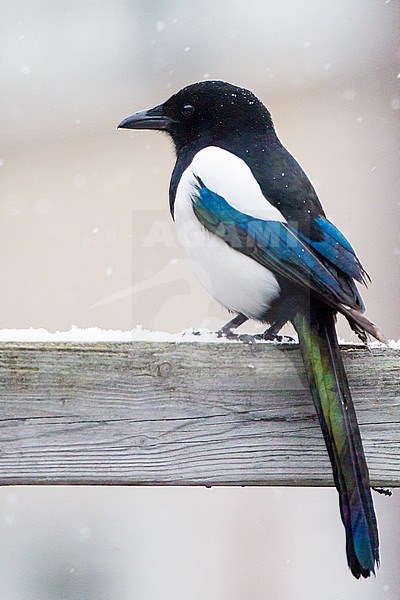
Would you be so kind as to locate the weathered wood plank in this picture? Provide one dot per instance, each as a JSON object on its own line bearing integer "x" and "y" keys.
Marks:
{"x": 183, "y": 414}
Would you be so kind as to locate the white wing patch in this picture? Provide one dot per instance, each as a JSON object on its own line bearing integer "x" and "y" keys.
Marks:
{"x": 235, "y": 280}
{"x": 229, "y": 176}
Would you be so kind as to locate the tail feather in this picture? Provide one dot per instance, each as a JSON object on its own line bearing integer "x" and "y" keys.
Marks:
{"x": 360, "y": 324}
{"x": 335, "y": 409}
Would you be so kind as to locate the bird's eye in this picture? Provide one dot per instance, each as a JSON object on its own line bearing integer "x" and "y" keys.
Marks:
{"x": 187, "y": 110}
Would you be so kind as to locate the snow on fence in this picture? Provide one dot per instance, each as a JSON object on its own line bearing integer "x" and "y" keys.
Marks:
{"x": 167, "y": 413}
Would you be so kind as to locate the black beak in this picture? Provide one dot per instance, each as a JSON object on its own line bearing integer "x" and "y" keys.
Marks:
{"x": 152, "y": 118}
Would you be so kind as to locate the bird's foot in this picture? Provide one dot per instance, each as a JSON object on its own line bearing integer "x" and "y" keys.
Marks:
{"x": 227, "y": 333}
{"x": 231, "y": 335}
{"x": 282, "y": 339}
{"x": 270, "y": 335}
{"x": 245, "y": 338}
{"x": 226, "y": 330}
{"x": 384, "y": 491}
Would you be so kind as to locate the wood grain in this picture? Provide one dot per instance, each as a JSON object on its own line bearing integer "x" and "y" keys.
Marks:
{"x": 184, "y": 414}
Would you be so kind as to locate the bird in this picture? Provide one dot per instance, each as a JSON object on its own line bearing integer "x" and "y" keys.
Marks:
{"x": 258, "y": 239}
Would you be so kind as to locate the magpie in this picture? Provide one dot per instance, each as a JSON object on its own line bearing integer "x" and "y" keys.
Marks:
{"x": 259, "y": 241}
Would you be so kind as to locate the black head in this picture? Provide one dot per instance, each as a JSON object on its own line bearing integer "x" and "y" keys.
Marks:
{"x": 205, "y": 113}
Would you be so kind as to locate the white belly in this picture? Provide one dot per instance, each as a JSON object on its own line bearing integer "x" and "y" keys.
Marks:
{"x": 236, "y": 281}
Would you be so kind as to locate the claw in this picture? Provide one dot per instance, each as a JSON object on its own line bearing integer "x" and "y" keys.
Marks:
{"x": 271, "y": 335}
{"x": 227, "y": 333}
{"x": 246, "y": 338}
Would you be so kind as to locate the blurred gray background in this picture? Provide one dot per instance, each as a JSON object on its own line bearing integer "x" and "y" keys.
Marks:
{"x": 86, "y": 239}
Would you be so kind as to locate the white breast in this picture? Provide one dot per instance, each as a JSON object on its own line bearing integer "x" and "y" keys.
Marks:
{"x": 233, "y": 279}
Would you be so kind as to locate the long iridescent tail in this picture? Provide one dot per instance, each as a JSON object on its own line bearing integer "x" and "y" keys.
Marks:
{"x": 334, "y": 405}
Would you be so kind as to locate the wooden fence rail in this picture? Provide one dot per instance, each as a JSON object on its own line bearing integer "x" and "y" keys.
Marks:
{"x": 147, "y": 413}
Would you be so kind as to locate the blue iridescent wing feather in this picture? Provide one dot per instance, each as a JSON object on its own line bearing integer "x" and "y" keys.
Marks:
{"x": 336, "y": 249}
{"x": 327, "y": 266}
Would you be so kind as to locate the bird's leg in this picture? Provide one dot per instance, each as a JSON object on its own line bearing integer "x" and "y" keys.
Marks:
{"x": 271, "y": 334}
{"x": 278, "y": 319}
{"x": 246, "y": 338}
{"x": 226, "y": 330}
